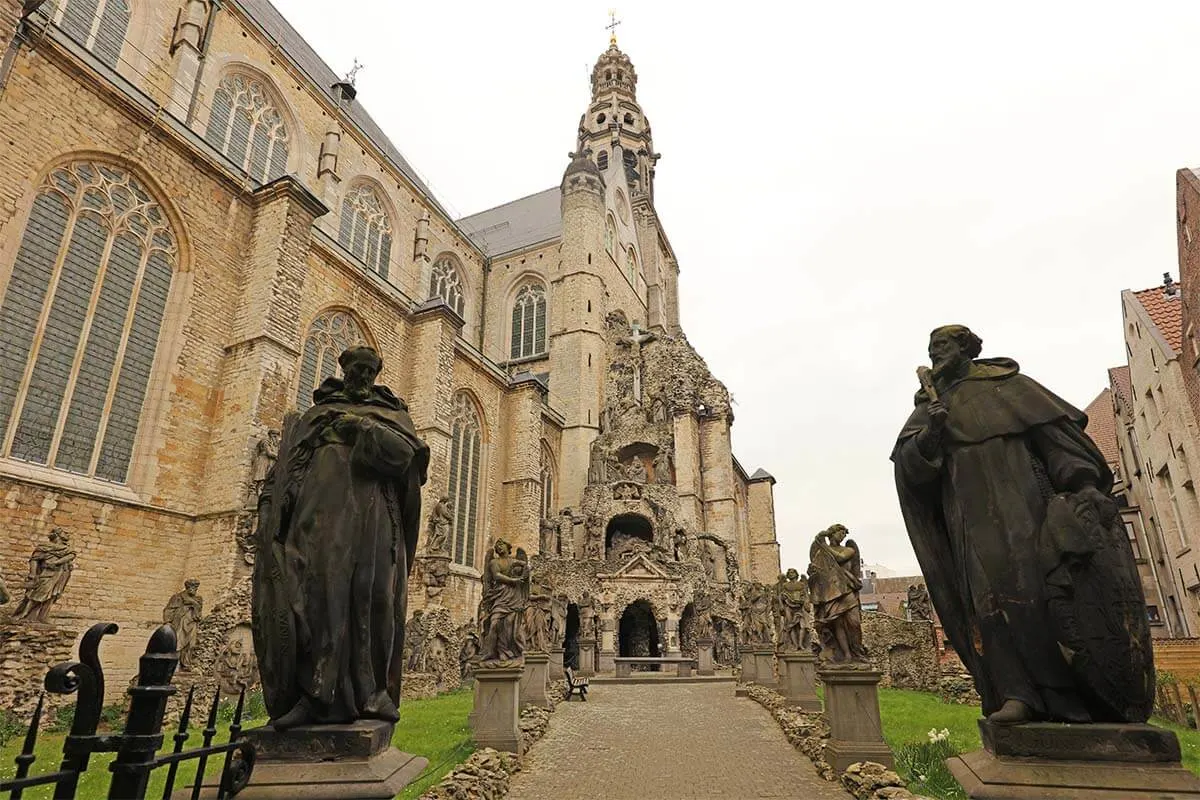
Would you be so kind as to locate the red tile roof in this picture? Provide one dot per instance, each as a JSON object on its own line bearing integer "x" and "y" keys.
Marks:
{"x": 1122, "y": 384}
{"x": 1102, "y": 426}
{"x": 1166, "y": 311}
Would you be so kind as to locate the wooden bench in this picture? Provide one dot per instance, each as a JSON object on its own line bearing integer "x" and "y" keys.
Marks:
{"x": 625, "y": 664}
{"x": 576, "y": 685}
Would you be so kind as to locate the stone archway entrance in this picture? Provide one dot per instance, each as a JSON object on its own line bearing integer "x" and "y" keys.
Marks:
{"x": 637, "y": 633}
{"x": 628, "y": 533}
{"x": 687, "y": 630}
{"x": 571, "y": 638}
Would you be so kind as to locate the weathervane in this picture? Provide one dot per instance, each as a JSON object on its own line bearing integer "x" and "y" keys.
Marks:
{"x": 353, "y": 72}
{"x": 613, "y": 22}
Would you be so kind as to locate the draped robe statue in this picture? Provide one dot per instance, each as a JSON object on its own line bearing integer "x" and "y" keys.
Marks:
{"x": 183, "y": 614}
{"x": 1007, "y": 503}
{"x": 506, "y": 590}
{"x": 50, "y": 569}
{"x": 834, "y": 584}
{"x": 339, "y": 518}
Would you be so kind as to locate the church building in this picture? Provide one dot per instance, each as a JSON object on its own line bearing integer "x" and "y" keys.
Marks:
{"x": 197, "y": 216}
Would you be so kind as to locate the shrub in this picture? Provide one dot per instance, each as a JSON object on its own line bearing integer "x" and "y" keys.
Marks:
{"x": 64, "y": 718}
{"x": 112, "y": 717}
{"x": 923, "y": 767}
{"x": 10, "y": 726}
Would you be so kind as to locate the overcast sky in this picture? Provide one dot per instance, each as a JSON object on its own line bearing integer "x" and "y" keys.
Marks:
{"x": 837, "y": 179}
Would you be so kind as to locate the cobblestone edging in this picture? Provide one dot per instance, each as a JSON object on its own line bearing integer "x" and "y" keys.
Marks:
{"x": 484, "y": 775}
{"x": 809, "y": 732}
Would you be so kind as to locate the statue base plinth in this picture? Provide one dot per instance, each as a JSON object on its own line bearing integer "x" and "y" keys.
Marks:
{"x": 704, "y": 657}
{"x": 748, "y": 673}
{"x": 496, "y": 717}
{"x": 324, "y": 762}
{"x": 1054, "y": 761}
{"x": 533, "y": 680}
{"x": 764, "y": 667}
{"x": 797, "y": 680}
{"x": 587, "y": 658}
{"x": 556, "y": 664}
{"x": 852, "y": 710}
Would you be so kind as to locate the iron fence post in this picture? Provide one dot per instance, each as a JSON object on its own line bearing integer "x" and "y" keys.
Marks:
{"x": 143, "y": 727}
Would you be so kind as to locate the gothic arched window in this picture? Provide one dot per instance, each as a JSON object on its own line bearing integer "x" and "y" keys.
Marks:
{"x": 81, "y": 317}
{"x": 365, "y": 228}
{"x": 466, "y": 454}
{"x": 98, "y": 25}
{"x": 547, "y": 483}
{"x": 602, "y": 160}
{"x": 610, "y": 236}
{"x": 246, "y": 126}
{"x": 631, "y": 267}
{"x": 446, "y": 283}
{"x": 330, "y": 334}
{"x": 529, "y": 322}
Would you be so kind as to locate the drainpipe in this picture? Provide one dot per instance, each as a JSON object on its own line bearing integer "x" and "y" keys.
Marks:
{"x": 203, "y": 58}
{"x": 487, "y": 271}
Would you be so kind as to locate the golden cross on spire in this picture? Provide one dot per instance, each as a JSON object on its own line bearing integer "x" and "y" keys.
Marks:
{"x": 613, "y": 22}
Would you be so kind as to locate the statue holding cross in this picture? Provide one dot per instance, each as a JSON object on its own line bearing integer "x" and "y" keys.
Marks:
{"x": 634, "y": 341}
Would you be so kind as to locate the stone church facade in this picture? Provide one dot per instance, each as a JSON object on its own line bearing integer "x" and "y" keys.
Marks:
{"x": 197, "y": 215}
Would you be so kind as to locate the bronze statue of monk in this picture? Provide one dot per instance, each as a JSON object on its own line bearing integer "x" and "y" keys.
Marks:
{"x": 1007, "y": 503}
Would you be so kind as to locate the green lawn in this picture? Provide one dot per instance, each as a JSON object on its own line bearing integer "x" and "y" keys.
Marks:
{"x": 435, "y": 728}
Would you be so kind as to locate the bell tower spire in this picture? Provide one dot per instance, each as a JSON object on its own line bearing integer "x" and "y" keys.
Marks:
{"x": 614, "y": 127}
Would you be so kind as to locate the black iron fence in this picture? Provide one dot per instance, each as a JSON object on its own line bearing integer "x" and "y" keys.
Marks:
{"x": 137, "y": 746}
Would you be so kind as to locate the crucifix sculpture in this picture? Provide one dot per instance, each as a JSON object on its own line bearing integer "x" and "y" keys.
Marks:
{"x": 634, "y": 341}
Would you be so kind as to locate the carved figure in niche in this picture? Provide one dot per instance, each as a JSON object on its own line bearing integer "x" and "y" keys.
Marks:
{"x": 634, "y": 342}
{"x": 468, "y": 655}
{"x": 436, "y": 570}
{"x": 558, "y": 620}
{"x": 1043, "y": 601}
{"x": 266, "y": 451}
{"x": 595, "y": 546}
{"x": 327, "y": 631}
{"x": 919, "y": 606}
{"x": 587, "y": 611}
{"x": 834, "y": 584}
{"x": 663, "y": 473}
{"x": 625, "y": 545}
{"x": 547, "y": 534}
{"x": 438, "y": 529}
{"x": 537, "y": 621}
{"x": 506, "y": 581}
{"x": 597, "y": 466}
{"x": 50, "y": 569}
{"x": 244, "y": 535}
{"x": 702, "y": 609}
{"x": 183, "y": 614}
{"x": 635, "y": 471}
{"x": 795, "y": 612}
{"x": 414, "y": 644}
{"x": 235, "y": 668}
{"x": 627, "y": 491}
{"x": 607, "y": 415}
{"x": 711, "y": 554}
{"x": 679, "y": 543}
{"x": 658, "y": 410}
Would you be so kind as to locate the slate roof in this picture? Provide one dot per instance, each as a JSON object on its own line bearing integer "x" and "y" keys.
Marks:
{"x": 1166, "y": 312}
{"x": 1102, "y": 426}
{"x": 1122, "y": 384}
{"x": 517, "y": 224}
{"x": 300, "y": 51}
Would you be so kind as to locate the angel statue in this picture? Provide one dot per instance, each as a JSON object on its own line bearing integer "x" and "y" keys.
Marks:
{"x": 794, "y": 612}
{"x": 834, "y": 584}
{"x": 502, "y": 608}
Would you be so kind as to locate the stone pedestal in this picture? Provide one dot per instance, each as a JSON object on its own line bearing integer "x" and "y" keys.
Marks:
{"x": 704, "y": 657}
{"x": 607, "y": 665}
{"x": 534, "y": 679}
{"x": 749, "y": 675}
{"x": 852, "y": 710}
{"x": 339, "y": 762}
{"x": 1051, "y": 761}
{"x": 764, "y": 667}
{"x": 797, "y": 680}
{"x": 496, "y": 718}
{"x": 556, "y": 664}
{"x": 587, "y": 658}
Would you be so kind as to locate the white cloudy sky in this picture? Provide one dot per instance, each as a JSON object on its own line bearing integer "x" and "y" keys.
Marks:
{"x": 837, "y": 179}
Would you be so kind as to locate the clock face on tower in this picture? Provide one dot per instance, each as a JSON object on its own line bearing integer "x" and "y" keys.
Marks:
{"x": 622, "y": 207}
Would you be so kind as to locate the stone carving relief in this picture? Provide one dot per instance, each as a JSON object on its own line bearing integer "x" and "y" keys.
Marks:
{"x": 235, "y": 669}
{"x": 266, "y": 451}
{"x": 437, "y": 531}
{"x": 50, "y": 569}
{"x": 919, "y": 605}
{"x": 436, "y": 571}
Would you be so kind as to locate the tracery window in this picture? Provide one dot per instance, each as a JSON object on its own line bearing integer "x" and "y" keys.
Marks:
{"x": 446, "y": 283}
{"x": 81, "y": 318}
{"x": 366, "y": 230}
{"x": 631, "y": 267}
{"x": 466, "y": 453}
{"x": 330, "y": 334}
{"x": 610, "y": 236}
{"x": 98, "y": 25}
{"x": 529, "y": 322}
{"x": 547, "y": 484}
{"x": 246, "y": 126}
